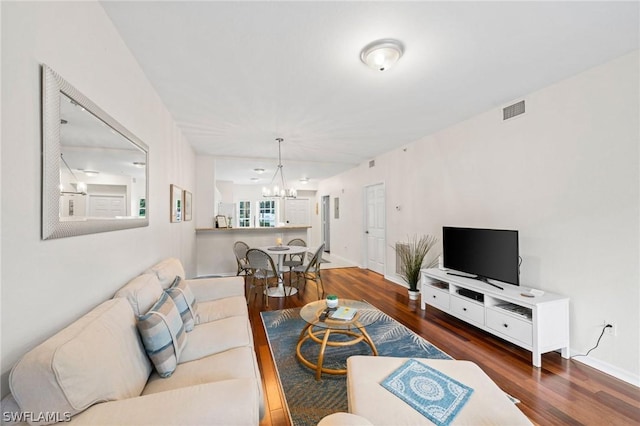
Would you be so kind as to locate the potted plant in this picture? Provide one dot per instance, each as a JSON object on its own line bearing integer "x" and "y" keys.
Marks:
{"x": 412, "y": 256}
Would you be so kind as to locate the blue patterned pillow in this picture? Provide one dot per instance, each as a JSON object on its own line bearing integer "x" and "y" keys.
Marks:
{"x": 163, "y": 335}
{"x": 185, "y": 302}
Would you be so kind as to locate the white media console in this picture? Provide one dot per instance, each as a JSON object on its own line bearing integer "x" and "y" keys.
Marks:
{"x": 539, "y": 324}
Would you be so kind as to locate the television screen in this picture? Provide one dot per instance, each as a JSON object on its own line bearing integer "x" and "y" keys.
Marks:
{"x": 487, "y": 253}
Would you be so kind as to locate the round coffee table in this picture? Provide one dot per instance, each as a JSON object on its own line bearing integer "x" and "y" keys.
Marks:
{"x": 318, "y": 331}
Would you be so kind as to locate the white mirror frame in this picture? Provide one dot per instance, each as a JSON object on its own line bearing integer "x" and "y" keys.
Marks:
{"x": 52, "y": 227}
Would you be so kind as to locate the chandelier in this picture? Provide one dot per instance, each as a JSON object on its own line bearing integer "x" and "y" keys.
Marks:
{"x": 281, "y": 190}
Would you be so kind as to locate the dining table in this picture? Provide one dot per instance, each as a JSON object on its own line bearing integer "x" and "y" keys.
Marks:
{"x": 281, "y": 251}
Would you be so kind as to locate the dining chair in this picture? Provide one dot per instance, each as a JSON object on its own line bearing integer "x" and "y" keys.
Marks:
{"x": 262, "y": 270}
{"x": 311, "y": 272}
{"x": 293, "y": 260}
{"x": 240, "y": 251}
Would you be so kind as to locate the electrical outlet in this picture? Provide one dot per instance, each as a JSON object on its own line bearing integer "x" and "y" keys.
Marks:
{"x": 613, "y": 330}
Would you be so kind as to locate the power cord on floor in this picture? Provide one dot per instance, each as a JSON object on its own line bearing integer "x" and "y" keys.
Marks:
{"x": 598, "y": 342}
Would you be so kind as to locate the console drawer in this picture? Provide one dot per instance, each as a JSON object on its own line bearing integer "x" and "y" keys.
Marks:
{"x": 467, "y": 309}
{"x": 436, "y": 297}
{"x": 518, "y": 329}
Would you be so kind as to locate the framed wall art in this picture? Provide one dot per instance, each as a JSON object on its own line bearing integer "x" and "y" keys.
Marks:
{"x": 187, "y": 206}
{"x": 221, "y": 221}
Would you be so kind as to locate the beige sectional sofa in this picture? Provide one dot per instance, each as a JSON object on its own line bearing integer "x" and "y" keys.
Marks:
{"x": 96, "y": 370}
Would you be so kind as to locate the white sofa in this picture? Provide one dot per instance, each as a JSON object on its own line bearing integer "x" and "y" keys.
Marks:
{"x": 96, "y": 370}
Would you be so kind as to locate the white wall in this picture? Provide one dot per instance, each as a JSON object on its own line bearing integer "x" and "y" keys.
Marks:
{"x": 204, "y": 199}
{"x": 565, "y": 175}
{"x": 48, "y": 284}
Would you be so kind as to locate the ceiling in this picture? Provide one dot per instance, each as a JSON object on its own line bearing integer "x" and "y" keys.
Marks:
{"x": 236, "y": 75}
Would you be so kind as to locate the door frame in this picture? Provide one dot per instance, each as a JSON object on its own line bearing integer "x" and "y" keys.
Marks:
{"x": 325, "y": 222}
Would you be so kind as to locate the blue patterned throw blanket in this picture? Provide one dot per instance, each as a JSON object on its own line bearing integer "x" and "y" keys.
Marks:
{"x": 429, "y": 391}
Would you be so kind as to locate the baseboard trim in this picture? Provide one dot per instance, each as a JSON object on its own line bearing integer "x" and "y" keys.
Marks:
{"x": 397, "y": 280}
{"x": 607, "y": 368}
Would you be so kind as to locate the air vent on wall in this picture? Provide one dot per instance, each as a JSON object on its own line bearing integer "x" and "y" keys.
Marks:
{"x": 513, "y": 110}
{"x": 372, "y": 163}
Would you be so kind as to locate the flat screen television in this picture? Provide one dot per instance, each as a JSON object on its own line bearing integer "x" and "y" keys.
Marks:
{"x": 484, "y": 253}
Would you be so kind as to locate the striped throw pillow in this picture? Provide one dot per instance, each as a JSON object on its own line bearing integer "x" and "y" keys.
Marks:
{"x": 185, "y": 301}
{"x": 163, "y": 335}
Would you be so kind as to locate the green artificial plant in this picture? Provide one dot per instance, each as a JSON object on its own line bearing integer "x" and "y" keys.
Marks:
{"x": 412, "y": 255}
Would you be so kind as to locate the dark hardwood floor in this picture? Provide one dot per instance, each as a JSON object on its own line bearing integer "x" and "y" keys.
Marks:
{"x": 561, "y": 392}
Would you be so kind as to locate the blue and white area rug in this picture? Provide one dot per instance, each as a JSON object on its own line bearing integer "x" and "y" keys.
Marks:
{"x": 309, "y": 400}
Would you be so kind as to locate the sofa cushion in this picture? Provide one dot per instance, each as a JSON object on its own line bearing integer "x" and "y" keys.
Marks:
{"x": 237, "y": 363}
{"x": 217, "y": 336}
{"x": 142, "y": 292}
{"x": 163, "y": 335}
{"x": 97, "y": 358}
{"x": 228, "y": 402}
{"x": 213, "y": 310}
{"x": 217, "y": 288}
{"x": 167, "y": 270}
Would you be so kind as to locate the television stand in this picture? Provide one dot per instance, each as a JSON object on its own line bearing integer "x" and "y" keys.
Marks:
{"x": 539, "y": 324}
{"x": 477, "y": 277}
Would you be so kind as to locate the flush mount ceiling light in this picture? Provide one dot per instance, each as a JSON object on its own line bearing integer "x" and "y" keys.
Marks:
{"x": 382, "y": 54}
{"x": 259, "y": 171}
{"x": 279, "y": 191}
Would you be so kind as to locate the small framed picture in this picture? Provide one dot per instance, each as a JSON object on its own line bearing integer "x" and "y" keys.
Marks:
{"x": 187, "y": 206}
{"x": 221, "y": 222}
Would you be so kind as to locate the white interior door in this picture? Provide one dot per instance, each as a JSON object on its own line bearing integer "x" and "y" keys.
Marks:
{"x": 296, "y": 212}
{"x": 375, "y": 227}
{"x": 106, "y": 205}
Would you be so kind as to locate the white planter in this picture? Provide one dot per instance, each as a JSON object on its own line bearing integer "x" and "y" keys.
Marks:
{"x": 413, "y": 295}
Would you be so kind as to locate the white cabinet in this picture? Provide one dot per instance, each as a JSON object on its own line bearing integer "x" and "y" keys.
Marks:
{"x": 539, "y": 324}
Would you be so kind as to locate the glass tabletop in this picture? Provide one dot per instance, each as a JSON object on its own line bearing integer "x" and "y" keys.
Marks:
{"x": 365, "y": 314}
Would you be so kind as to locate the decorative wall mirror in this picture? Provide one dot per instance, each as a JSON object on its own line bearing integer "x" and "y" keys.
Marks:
{"x": 95, "y": 173}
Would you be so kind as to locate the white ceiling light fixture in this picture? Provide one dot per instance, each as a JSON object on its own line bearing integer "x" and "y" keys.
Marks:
{"x": 382, "y": 54}
{"x": 279, "y": 191}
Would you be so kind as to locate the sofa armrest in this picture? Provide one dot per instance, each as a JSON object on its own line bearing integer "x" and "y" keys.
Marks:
{"x": 205, "y": 289}
{"x": 228, "y": 402}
